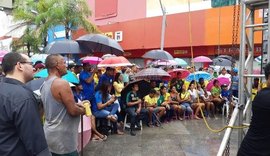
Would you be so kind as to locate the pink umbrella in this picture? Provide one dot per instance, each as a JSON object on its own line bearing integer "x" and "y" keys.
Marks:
{"x": 222, "y": 81}
{"x": 174, "y": 72}
{"x": 92, "y": 60}
{"x": 202, "y": 59}
{"x": 86, "y": 132}
{"x": 2, "y": 54}
{"x": 116, "y": 61}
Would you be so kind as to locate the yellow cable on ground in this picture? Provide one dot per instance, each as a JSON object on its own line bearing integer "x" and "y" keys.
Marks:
{"x": 220, "y": 130}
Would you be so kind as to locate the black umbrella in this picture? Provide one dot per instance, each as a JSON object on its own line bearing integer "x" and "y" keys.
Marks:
{"x": 63, "y": 47}
{"x": 100, "y": 43}
{"x": 227, "y": 57}
{"x": 222, "y": 62}
{"x": 144, "y": 89}
{"x": 158, "y": 55}
{"x": 35, "y": 84}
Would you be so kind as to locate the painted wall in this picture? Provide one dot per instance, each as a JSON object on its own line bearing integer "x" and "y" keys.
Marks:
{"x": 127, "y": 10}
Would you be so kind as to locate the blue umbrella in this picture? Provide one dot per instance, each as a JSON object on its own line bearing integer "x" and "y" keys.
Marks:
{"x": 198, "y": 75}
{"x": 180, "y": 62}
{"x": 39, "y": 57}
{"x": 70, "y": 77}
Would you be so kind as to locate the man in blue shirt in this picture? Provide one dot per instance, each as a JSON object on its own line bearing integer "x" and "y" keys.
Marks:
{"x": 107, "y": 77}
{"x": 87, "y": 80}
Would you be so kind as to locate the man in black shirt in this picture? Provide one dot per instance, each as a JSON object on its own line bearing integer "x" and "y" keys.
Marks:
{"x": 21, "y": 132}
{"x": 257, "y": 139}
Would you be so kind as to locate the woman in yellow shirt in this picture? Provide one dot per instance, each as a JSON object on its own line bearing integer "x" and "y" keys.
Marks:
{"x": 118, "y": 85}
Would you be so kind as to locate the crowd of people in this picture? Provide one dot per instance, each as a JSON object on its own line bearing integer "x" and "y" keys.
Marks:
{"x": 22, "y": 133}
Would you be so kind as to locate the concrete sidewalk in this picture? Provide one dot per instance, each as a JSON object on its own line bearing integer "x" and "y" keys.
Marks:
{"x": 177, "y": 138}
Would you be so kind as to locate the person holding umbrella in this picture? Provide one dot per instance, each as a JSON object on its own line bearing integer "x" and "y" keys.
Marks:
{"x": 87, "y": 80}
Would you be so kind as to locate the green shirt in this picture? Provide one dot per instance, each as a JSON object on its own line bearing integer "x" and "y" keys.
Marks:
{"x": 215, "y": 91}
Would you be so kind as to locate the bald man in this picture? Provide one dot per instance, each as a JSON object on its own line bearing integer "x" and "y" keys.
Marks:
{"x": 61, "y": 111}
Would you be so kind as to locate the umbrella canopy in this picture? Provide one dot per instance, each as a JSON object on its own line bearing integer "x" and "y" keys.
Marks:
{"x": 164, "y": 63}
{"x": 174, "y": 73}
{"x": 180, "y": 62}
{"x": 2, "y": 54}
{"x": 100, "y": 43}
{"x": 158, "y": 55}
{"x": 227, "y": 57}
{"x": 35, "y": 84}
{"x": 151, "y": 74}
{"x": 202, "y": 59}
{"x": 39, "y": 57}
{"x": 198, "y": 75}
{"x": 70, "y": 77}
{"x": 86, "y": 132}
{"x": 63, "y": 47}
{"x": 116, "y": 61}
{"x": 92, "y": 60}
{"x": 222, "y": 62}
{"x": 107, "y": 56}
{"x": 222, "y": 81}
{"x": 144, "y": 89}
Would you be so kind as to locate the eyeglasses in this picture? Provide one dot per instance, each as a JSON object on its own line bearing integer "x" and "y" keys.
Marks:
{"x": 31, "y": 63}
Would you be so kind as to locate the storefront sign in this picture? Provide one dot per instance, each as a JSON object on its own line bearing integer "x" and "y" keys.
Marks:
{"x": 180, "y": 52}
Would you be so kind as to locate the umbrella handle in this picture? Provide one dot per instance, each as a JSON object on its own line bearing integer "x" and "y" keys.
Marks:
{"x": 81, "y": 135}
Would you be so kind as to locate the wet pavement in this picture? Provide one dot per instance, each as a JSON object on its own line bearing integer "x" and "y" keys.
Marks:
{"x": 177, "y": 138}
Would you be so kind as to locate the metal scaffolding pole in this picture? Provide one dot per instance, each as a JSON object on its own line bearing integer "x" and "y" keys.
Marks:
{"x": 248, "y": 26}
{"x": 241, "y": 69}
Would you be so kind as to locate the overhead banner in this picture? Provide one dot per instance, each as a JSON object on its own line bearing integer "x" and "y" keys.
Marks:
{"x": 221, "y": 3}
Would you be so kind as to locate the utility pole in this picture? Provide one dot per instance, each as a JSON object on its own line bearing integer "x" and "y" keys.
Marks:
{"x": 163, "y": 9}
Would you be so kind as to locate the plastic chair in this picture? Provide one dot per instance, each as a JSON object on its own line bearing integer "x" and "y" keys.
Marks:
{"x": 127, "y": 125}
{"x": 226, "y": 106}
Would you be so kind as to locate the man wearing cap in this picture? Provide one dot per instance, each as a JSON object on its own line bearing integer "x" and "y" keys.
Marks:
{"x": 107, "y": 77}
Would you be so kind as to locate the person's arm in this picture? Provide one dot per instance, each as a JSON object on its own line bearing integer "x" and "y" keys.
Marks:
{"x": 134, "y": 103}
{"x": 88, "y": 79}
{"x": 101, "y": 105}
{"x": 62, "y": 92}
{"x": 29, "y": 128}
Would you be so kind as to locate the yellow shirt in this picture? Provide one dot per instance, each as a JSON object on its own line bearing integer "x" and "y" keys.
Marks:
{"x": 118, "y": 88}
{"x": 184, "y": 96}
{"x": 150, "y": 101}
{"x": 166, "y": 97}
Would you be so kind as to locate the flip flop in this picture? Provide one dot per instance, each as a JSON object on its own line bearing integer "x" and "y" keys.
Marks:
{"x": 104, "y": 138}
{"x": 97, "y": 139}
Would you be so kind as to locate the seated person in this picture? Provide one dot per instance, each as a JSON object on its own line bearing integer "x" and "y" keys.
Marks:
{"x": 215, "y": 92}
{"x": 134, "y": 108}
{"x": 225, "y": 93}
{"x": 163, "y": 101}
{"x": 106, "y": 106}
{"x": 151, "y": 105}
{"x": 185, "y": 100}
{"x": 174, "y": 102}
{"x": 196, "y": 103}
{"x": 207, "y": 98}
{"x": 78, "y": 97}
